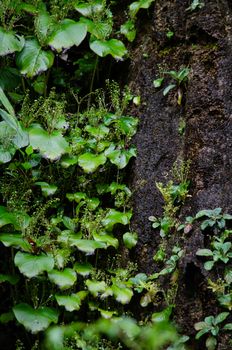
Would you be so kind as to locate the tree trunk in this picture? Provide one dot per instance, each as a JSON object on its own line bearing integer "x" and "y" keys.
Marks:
{"x": 202, "y": 41}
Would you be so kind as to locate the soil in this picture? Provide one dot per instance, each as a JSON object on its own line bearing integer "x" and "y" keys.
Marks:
{"x": 202, "y": 42}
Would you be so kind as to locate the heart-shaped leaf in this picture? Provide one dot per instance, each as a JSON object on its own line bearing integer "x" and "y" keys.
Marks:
{"x": 86, "y": 245}
{"x": 33, "y": 265}
{"x": 96, "y": 287}
{"x": 51, "y": 145}
{"x": 89, "y": 162}
{"x": 122, "y": 294}
{"x": 32, "y": 60}
{"x": 63, "y": 279}
{"x": 10, "y": 42}
{"x": 112, "y": 47}
{"x": 35, "y": 320}
{"x": 120, "y": 157}
{"x": 68, "y": 34}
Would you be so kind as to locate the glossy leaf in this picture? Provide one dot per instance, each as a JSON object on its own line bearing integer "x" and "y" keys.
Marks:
{"x": 128, "y": 29}
{"x": 15, "y": 240}
{"x": 68, "y": 34}
{"x": 83, "y": 269}
{"x": 86, "y": 245}
{"x": 112, "y": 47}
{"x": 96, "y": 287}
{"x": 35, "y": 320}
{"x": 51, "y": 145}
{"x": 33, "y": 265}
{"x": 114, "y": 217}
{"x": 33, "y": 60}
{"x": 19, "y": 220}
{"x": 130, "y": 239}
{"x": 47, "y": 189}
{"x": 71, "y": 302}
{"x": 120, "y": 157}
{"x": 12, "y": 279}
{"x": 122, "y": 294}
{"x": 89, "y": 9}
{"x": 63, "y": 279}
{"x": 89, "y": 162}
{"x": 10, "y": 42}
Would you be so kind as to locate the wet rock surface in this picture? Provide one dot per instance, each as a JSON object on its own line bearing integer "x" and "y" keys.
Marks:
{"x": 203, "y": 42}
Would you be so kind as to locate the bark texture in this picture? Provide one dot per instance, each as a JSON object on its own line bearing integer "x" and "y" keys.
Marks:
{"x": 203, "y": 42}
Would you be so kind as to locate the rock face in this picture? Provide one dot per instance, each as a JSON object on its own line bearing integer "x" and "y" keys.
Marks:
{"x": 202, "y": 41}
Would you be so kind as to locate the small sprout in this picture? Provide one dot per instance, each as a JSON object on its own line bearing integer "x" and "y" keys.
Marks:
{"x": 137, "y": 100}
{"x": 169, "y": 34}
{"x": 158, "y": 82}
{"x": 196, "y": 4}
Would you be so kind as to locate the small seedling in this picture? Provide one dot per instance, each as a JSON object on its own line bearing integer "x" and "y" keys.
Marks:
{"x": 180, "y": 79}
{"x": 196, "y": 4}
{"x": 214, "y": 218}
{"x": 211, "y": 326}
{"x": 221, "y": 252}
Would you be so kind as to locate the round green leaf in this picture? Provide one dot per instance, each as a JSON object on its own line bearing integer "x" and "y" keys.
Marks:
{"x": 71, "y": 302}
{"x": 33, "y": 60}
{"x": 122, "y": 294}
{"x": 68, "y": 34}
{"x": 114, "y": 217}
{"x": 130, "y": 239}
{"x": 35, "y": 320}
{"x": 89, "y": 9}
{"x": 83, "y": 269}
{"x": 89, "y": 162}
{"x": 10, "y": 42}
{"x": 63, "y": 279}
{"x": 47, "y": 190}
{"x": 86, "y": 245}
{"x": 112, "y": 47}
{"x": 51, "y": 145}
{"x": 33, "y": 265}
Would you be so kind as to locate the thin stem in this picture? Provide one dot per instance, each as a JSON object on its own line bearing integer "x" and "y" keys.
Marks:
{"x": 92, "y": 81}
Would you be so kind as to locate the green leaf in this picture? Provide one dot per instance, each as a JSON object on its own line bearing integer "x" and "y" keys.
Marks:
{"x": 89, "y": 9}
{"x": 83, "y": 269}
{"x": 63, "y": 279}
{"x": 130, "y": 239}
{"x": 7, "y": 317}
{"x": 228, "y": 327}
{"x": 96, "y": 287}
{"x": 128, "y": 29}
{"x": 158, "y": 82}
{"x": 19, "y": 220}
{"x": 51, "y": 145}
{"x": 68, "y": 34}
{"x": 86, "y": 245}
{"x": 44, "y": 25}
{"x": 120, "y": 157}
{"x": 99, "y": 132}
{"x": 114, "y": 217}
{"x": 127, "y": 125}
{"x": 204, "y": 252}
{"x": 89, "y": 162}
{"x": 33, "y": 265}
{"x": 71, "y": 302}
{"x": 209, "y": 265}
{"x": 137, "y": 5}
{"x": 112, "y": 47}
{"x": 103, "y": 237}
{"x": 33, "y": 60}
{"x": 122, "y": 294}
{"x": 211, "y": 343}
{"x": 15, "y": 240}
{"x": 9, "y": 278}
{"x": 47, "y": 190}
{"x": 221, "y": 317}
{"x": 162, "y": 316}
{"x": 6, "y": 103}
{"x": 10, "y": 42}
{"x": 168, "y": 88}
{"x": 35, "y": 320}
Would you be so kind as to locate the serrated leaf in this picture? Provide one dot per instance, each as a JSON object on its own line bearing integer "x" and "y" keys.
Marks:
{"x": 33, "y": 60}
{"x": 68, "y": 34}
{"x": 35, "y": 320}
{"x": 33, "y": 265}
{"x": 130, "y": 239}
{"x": 112, "y": 47}
{"x": 51, "y": 145}
{"x": 89, "y": 162}
{"x": 63, "y": 279}
{"x": 10, "y": 42}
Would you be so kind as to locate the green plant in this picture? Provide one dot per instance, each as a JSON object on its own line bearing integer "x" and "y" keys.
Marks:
{"x": 215, "y": 218}
{"x": 211, "y": 325}
{"x": 221, "y": 252}
{"x": 180, "y": 80}
{"x": 196, "y": 4}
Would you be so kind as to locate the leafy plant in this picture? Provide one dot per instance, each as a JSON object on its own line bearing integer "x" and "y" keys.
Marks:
{"x": 214, "y": 218}
{"x": 196, "y": 4}
{"x": 180, "y": 80}
{"x": 211, "y": 325}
